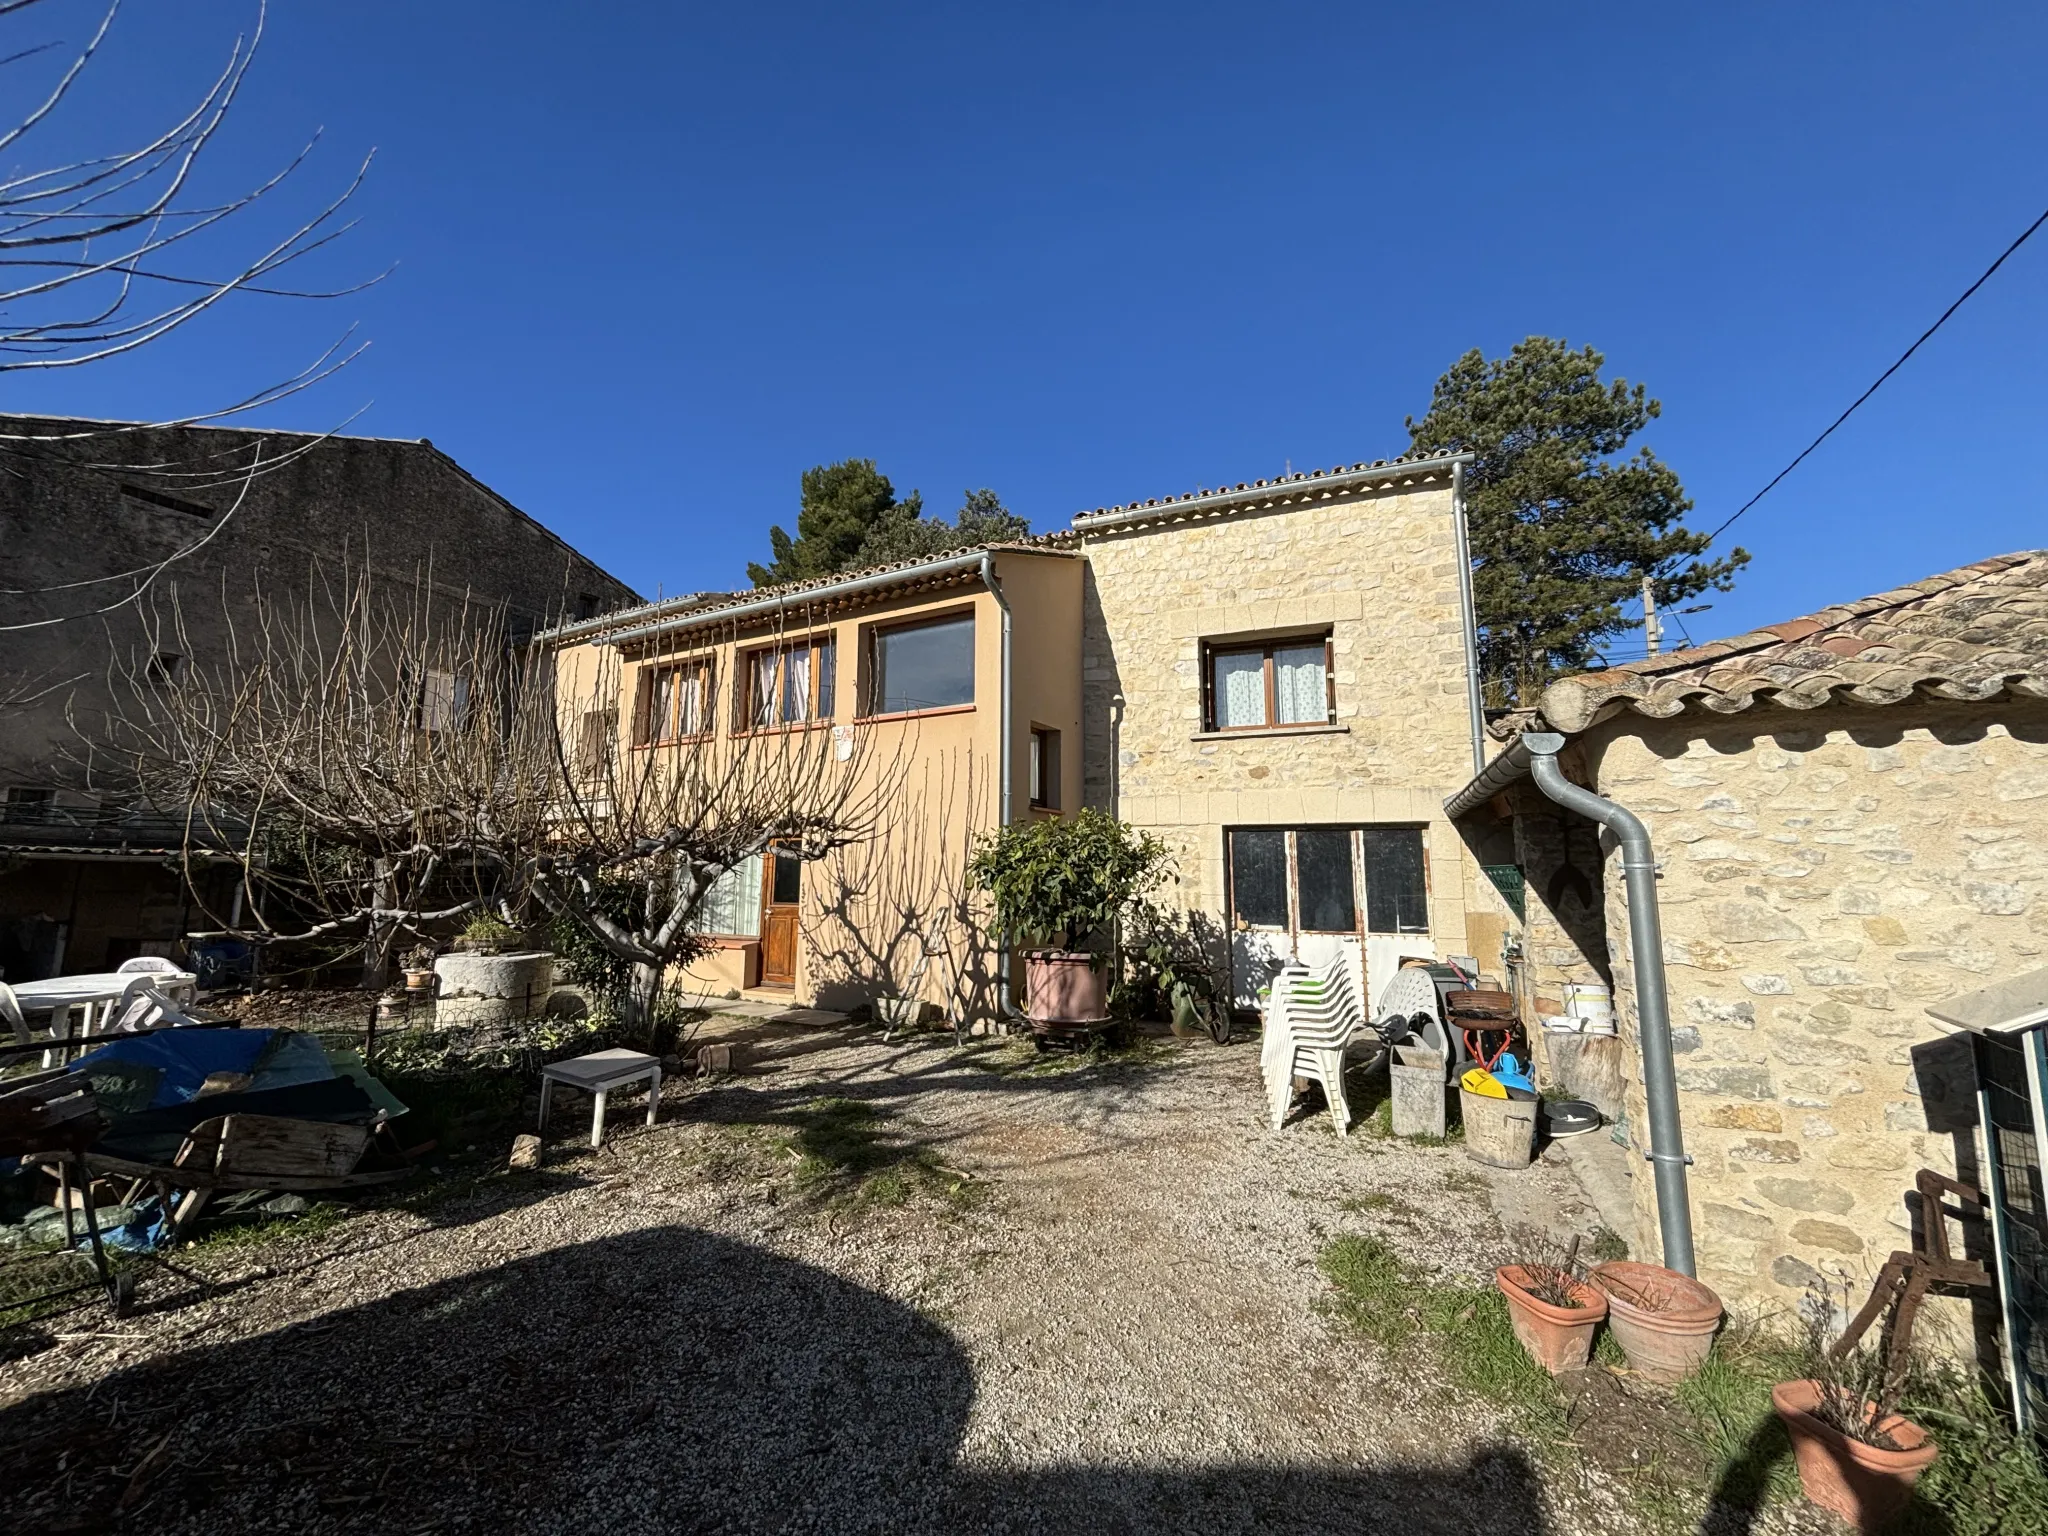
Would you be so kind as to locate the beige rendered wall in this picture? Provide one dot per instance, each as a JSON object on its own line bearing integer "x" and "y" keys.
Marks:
{"x": 1826, "y": 875}
{"x": 929, "y": 781}
{"x": 1380, "y": 568}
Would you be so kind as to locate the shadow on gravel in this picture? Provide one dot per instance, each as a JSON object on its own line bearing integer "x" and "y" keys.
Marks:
{"x": 666, "y": 1381}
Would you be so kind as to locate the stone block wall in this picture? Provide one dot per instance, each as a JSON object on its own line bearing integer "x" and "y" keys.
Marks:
{"x": 1826, "y": 876}
{"x": 1379, "y": 568}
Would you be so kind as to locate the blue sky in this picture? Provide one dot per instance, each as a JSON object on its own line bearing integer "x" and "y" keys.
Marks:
{"x": 654, "y": 260}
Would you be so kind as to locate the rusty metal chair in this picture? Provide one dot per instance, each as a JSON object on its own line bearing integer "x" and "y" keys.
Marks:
{"x": 1909, "y": 1274}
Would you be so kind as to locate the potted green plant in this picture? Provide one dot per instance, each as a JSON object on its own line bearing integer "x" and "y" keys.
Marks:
{"x": 488, "y": 935}
{"x": 419, "y": 968}
{"x": 1172, "y": 963}
{"x": 1858, "y": 1456}
{"x": 1551, "y": 1305}
{"x": 1058, "y": 885}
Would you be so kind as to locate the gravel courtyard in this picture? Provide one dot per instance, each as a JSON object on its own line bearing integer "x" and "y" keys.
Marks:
{"x": 853, "y": 1286}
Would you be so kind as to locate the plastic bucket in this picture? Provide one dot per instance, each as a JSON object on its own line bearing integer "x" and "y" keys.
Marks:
{"x": 1498, "y": 1132}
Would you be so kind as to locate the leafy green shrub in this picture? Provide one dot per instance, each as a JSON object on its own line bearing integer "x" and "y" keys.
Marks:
{"x": 1061, "y": 882}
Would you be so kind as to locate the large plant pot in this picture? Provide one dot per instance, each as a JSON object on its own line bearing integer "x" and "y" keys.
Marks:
{"x": 492, "y": 989}
{"x": 1865, "y": 1484}
{"x": 1559, "y": 1339}
{"x": 1066, "y": 992}
{"x": 1664, "y": 1321}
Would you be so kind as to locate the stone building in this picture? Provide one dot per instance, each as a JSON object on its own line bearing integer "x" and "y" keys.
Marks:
{"x": 1276, "y": 678}
{"x": 1850, "y": 811}
{"x": 87, "y": 510}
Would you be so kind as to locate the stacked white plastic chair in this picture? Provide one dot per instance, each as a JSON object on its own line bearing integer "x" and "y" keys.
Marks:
{"x": 1312, "y": 1014}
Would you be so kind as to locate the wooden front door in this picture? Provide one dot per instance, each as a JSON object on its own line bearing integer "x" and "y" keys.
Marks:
{"x": 781, "y": 896}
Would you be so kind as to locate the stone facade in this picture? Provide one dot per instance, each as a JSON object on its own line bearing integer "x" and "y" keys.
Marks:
{"x": 1826, "y": 874}
{"x": 78, "y": 892}
{"x": 1377, "y": 568}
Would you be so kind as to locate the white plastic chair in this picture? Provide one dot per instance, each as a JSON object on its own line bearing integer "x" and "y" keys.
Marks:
{"x": 1312, "y": 1015}
{"x": 147, "y": 965}
{"x": 143, "y": 1005}
{"x": 11, "y": 1015}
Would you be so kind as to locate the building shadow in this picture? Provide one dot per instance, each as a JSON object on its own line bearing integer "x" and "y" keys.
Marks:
{"x": 665, "y": 1380}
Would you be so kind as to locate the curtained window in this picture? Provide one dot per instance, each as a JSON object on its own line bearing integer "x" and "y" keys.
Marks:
{"x": 1271, "y": 683}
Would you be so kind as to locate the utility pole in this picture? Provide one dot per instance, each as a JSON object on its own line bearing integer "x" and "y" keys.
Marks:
{"x": 1653, "y": 632}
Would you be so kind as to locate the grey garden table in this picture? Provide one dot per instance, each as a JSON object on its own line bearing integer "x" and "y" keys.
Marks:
{"x": 597, "y": 1074}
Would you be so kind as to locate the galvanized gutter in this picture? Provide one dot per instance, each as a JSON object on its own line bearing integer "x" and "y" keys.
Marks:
{"x": 1286, "y": 490}
{"x": 1653, "y": 1004}
{"x": 1533, "y": 754}
{"x": 995, "y": 590}
{"x": 577, "y": 629}
{"x": 946, "y": 565}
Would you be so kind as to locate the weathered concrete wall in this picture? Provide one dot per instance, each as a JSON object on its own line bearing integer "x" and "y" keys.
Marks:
{"x": 1380, "y": 569}
{"x": 1826, "y": 875}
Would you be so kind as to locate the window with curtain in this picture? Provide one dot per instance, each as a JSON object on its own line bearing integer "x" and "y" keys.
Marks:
{"x": 1262, "y": 684}
{"x": 732, "y": 907}
{"x": 675, "y": 702}
{"x": 791, "y": 683}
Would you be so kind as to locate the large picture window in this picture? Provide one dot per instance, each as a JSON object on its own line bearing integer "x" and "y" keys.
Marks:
{"x": 1263, "y": 684}
{"x": 675, "y": 702}
{"x": 923, "y": 666}
{"x": 791, "y": 684}
{"x": 1312, "y": 879}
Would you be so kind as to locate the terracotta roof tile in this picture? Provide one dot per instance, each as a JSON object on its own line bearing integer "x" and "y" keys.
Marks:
{"x": 1970, "y": 634}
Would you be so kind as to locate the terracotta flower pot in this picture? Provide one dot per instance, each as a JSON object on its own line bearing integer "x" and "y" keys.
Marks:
{"x": 1559, "y": 1339}
{"x": 1664, "y": 1321}
{"x": 1066, "y": 991}
{"x": 1865, "y": 1484}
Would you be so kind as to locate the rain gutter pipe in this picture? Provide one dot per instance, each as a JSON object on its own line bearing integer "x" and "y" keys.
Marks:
{"x": 1475, "y": 707}
{"x": 829, "y": 591}
{"x": 995, "y": 590}
{"x": 1653, "y": 1006}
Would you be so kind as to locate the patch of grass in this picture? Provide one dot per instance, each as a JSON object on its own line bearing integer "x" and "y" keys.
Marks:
{"x": 1729, "y": 1398}
{"x": 1987, "y": 1480}
{"x": 1468, "y": 1326}
{"x": 255, "y": 1229}
{"x": 1371, "y": 1200}
{"x": 846, "y": 1153}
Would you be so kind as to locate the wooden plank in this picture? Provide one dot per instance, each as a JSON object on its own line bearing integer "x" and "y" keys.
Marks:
{"x": 273, "y": 1144}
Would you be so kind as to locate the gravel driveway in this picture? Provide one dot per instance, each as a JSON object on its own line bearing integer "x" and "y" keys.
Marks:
{"x": 1084, "y": 1300}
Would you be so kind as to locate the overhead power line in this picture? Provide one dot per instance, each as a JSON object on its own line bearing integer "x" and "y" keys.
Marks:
{"x": 2024, "y": 235}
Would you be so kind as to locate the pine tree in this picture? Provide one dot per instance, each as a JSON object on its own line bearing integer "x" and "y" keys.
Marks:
{"x": 841, "y": 504}
{"x": 1563, "y": 529}
{"x": 982, "y": 519}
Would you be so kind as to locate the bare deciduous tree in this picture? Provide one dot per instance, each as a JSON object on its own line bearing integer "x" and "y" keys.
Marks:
{"x": 103, "y": 255}
{"x": 376, "y": 763}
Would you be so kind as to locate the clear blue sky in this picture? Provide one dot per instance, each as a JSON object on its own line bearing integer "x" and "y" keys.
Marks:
{"x": 656, "y": 259}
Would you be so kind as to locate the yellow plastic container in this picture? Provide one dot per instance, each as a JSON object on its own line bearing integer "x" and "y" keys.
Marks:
{"x": 1483, "y": 1083}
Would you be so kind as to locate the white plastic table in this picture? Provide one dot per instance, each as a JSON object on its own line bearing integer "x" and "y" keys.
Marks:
{"x": 597, "y": 1074}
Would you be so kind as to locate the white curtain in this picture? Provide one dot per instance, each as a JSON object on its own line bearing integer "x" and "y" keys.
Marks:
{"x": 733, "y": 904}
{"x": 796, "y": 684}
{"x": 1240, "y": 689}
{"x": 690, "y": 681}
{"x": 661, "y": 705}
{"x": 764, "y": 688}
{"x": 1300, "y": 689}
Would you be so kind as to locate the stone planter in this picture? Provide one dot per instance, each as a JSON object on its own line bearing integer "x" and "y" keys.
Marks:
{"x": 491, "y": 989}
{"x": 1066, "y": 991}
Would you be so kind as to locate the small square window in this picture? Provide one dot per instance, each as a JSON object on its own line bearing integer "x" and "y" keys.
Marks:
{"x": 166, "y": 669}
{"x": 1257, "y": 685}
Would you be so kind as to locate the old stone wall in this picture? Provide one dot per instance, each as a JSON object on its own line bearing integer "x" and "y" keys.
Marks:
{"x": 1826, "y": 875}
{"x": 1379, "y": 568}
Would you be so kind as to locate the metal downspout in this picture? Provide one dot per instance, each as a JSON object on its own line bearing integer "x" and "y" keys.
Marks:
{"x": 1653, "y": 1007}
{"x": 995, "y": 590}
{"x": 1474, "y": 705}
